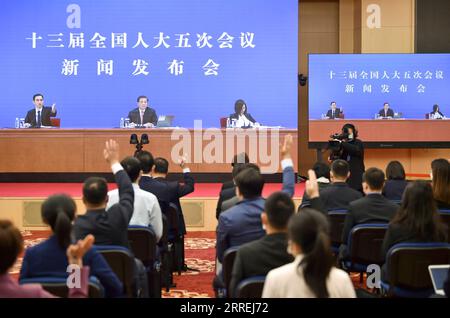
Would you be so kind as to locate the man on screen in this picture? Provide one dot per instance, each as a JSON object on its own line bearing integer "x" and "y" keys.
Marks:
{"x": 333, "y": 112}
{"x": 386, "y": 112}
{"x": 143, "y": 116}
{"x": 40, "y": 115}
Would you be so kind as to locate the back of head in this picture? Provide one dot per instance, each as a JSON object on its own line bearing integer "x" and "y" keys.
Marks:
{"x": 250, "y": 183}
{"x": 374, "y": 178}
{"x": 340, "y": 169}
{"x": 395, "y": 171}
{"x": 279, "y": 207}
{"x": 419, "y": 214}
{"x": 161, "y": 165}
{"x": 146, "y": 160}
{"x": 58, "y": 211}
{"x": 322, "y": 170}
{"x": 95, "y": 190}
{"x": 132, "y": 167}
{"x": 440, "y": 169}
{"x": 11, "y": 245}
{"x": 309, "y": 229}
{"x": 240, "y": 158}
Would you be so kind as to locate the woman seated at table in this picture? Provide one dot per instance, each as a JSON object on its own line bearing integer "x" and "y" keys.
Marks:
{"x": 436, "y": 114}
{"x": 241, "y": 118}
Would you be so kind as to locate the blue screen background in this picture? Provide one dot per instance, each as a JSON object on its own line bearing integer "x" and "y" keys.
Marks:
{"x": 325, "y": 87}
{"x": 264, "y": 76}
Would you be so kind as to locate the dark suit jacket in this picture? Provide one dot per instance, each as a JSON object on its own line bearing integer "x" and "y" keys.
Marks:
{"x": 338, "y": 196}
{"x": 149, "y": 116}
{"x": 337, "y": 113}
{"x": 353, "y": 153}
{"x": 46, "y": 113}
{"x": 372, "y": 208}
{"x": 227, "y": 184}
{"x": 259, "y": 257}
{"x": 305, "y": 198}
{"x": 393, "y": 189}
{"x": 110, "y": 227}
{"x": 176, "y": 191}
{"x": 49, "y": 259}
{"x": 225, "y": 195}
{"x": 249, "y": 117}
{"x": 390, "y": 113}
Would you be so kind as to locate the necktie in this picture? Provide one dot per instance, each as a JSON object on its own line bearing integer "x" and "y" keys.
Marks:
{"x": 142, "y": 117}
{"x": 38, "y": 124}
{"x": 332, "y": 114}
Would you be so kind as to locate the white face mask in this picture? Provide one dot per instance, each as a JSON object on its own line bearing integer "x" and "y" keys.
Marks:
{"x": 431, "y": 175}
{"x": 289, "y": 249}
{"x": 350, "y": 136}
{"x": 263, "y": 226}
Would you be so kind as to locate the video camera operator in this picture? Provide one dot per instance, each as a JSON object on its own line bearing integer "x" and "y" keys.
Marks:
{"x": 347, "y": 147}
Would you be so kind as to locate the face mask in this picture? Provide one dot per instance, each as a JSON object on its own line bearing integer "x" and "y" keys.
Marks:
{"x": 264, "y": 227}
{"x": 431, "y": 175}
{"x": 350, "y": 136}
{"x": 289, "y": 249}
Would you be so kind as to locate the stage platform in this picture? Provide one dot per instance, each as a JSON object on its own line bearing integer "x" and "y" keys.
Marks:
{"x": 21, "y": 202}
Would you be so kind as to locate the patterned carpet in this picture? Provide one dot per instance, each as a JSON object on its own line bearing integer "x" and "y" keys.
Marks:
{"x": 199, "y": 254}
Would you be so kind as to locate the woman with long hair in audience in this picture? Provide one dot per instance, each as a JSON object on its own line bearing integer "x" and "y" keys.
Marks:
{"x": 11, "y": 245}
{"x": 417, "y": 219}
{"x": 48, "y": 258}
{"x": 440, "y": 174}
{"x": 312, "y": 273}
{"x": 396, "y": 181}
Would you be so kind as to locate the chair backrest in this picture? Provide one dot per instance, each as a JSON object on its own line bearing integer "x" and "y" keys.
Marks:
{"x": 142, "y": 242}
{"x": 364, "y": 243}
{"x": 227, "y": 265}
{"x": 55, "y": 122}
{"x": 173, "y": 220}
{"x": 427, "y": 116}
{"x": 58, "y": 286}
{"x": 336, "y": 219}
{"x": 251, "y": 287}
{"x": 341, "y": 115}
{"x": 445, "y": 217}
{"x": 407, "y": 263}
{"x": 121, "y": 262}
{"x": 223, "y": 122}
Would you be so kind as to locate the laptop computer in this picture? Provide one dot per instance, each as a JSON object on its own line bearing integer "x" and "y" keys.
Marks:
{"x": 439, "y": 274}
{"x": 165, "y": 121}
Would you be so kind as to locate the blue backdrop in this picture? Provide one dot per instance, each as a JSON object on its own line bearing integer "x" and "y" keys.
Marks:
{"x": 260, "y": 67}
{"x": 361, "y": 83}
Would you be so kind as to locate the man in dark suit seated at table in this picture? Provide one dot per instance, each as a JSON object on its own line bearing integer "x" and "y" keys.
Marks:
{"x": 338, "y": 195}
{"x": 143, "y": 116}
{"x": 386, "y": 112}
{"x": 333, "y": 112}
{"x": 40, "y": 115}
{"x": 257, "y": 258}
{"x": 373, "y": 208}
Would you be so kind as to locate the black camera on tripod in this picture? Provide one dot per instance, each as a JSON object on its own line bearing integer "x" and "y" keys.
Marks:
{"x": 335, "y": 145}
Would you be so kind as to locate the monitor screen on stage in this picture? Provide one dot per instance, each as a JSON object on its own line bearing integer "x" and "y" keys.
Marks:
{"x": 193, "y": 59}
{"x": 390, "y": 98}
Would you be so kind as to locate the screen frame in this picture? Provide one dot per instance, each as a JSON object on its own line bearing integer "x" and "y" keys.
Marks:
{"x": 377, "y": 144}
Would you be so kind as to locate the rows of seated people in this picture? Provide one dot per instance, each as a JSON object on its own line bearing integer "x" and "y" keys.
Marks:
{"x": 142, "y": 199}
{"x": 290, "y": 254}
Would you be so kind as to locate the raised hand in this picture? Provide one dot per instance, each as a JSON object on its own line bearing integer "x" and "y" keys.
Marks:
{"x": 312, "y": 187}
{"x": 75, "y": 252}
{"x": 286, "y": 148}
{"x": 111, "y": 152}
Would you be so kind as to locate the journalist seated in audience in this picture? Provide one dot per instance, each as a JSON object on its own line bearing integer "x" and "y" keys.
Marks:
{"x": 312, "y": 273}
{"x": 111, "y": 226}
{"x": 417, "y": 220}
{"x": 146, "y": 207}
{"x": 11, "y": 245}
{"x": 257, "y": 258}
{"x": 49, "y": 257}
{"x": 322, "y": 171}
{"x": 338, "y": 195}
{"x": 440, "y": 175}
{"x": 395, "y": 183}
{"x": 373, "y": 208}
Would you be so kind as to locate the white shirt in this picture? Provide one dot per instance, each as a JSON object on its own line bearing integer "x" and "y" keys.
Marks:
{"x": 287, "y": 281}
{"x": 436, "y": 116}
{"x": 243, "y": 121}
{"x": 146, "y": 209}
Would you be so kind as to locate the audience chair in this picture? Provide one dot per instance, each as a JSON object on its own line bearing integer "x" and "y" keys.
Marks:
{"x": 142, "y": 242}
{"x": 336, "y": 219}
{"x": 445, "y": 216}
{"x": 407, "y": 268}
{"x": 251, "y": 287}
{"x": 227, "y": 266}
{"x": 223, "y": 122}
{"x": 122, "y": 264}
{"x": 175, "y": 238}
{"x": 55, "y": 122}
{"x": 58, "y": 286}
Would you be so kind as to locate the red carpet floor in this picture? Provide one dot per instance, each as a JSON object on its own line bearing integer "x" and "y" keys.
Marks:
{"x": 74, "y": 189}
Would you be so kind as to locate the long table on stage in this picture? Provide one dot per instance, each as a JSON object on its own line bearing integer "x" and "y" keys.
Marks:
{"x": 391, "y": 130}
{"x": 81, "y": 150}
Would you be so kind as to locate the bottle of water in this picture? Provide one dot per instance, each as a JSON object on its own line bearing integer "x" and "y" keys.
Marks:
{"x": 17, "y": 122}
{"x": 122, "y": 123}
